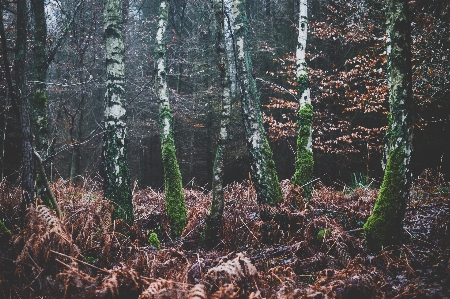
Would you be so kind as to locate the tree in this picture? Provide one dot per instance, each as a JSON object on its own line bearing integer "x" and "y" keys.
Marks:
{"x": 304, "y": 162}
{"x": 213, "y": 224}
{"x": 20, "y": 97}
{"x": 264, "y": 175}
{"x": 39, "y": 117}
{"x": 384, "y": 226}
{"x": 116, "y": 183}
{"x": 175, "y": 204}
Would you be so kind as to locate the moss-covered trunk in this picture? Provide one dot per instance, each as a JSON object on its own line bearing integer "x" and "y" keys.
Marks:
{"x": 116, "y": 183}
{"x": 304, "y": 163}
{"x": 213, "y": 225}
{"x": 384, "y": 226}
{"x": 264, "y": 175}
{"x": 175, "y": 204}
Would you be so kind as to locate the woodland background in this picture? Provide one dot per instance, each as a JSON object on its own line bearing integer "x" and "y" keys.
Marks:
{"x": 346, "y": 62}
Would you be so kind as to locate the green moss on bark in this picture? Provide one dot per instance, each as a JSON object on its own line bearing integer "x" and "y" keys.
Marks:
{"x": 302, "y": 84}
{"x": 154, "y": 241}
{"x": 384, "y": 225}
{"x": 175, "y": 203}
{"x": 3, "y": 228}
{"x": 304, "y": 163}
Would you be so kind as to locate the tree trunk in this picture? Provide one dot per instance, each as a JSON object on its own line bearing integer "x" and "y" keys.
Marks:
{"x": 264, "y": 175}
{"x": 304, "y": 163}
{"x": 213, "y": 225}
{"x": 22, "y": 105}
{"x": 39, "y": 100}
{"x": 116, "y": 183}
{"x": 384, "y": 226}
{"x": 175, "y": 204}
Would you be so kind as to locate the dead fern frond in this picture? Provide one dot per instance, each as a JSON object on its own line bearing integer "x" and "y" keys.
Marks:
{"x": 198, "y": 292}
{"x": 232, "y": 277}
{"x": 120, "y": 281}
{"x": 225, "y": 291}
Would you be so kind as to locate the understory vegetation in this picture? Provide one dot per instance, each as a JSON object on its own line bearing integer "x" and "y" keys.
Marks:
{"x": 313, "y": 249}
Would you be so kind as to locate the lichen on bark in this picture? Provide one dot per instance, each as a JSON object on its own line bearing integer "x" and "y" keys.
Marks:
{"x": 264, "y": 175}
{"x": 116, "y": 183}
{"x": 212, "y": 233}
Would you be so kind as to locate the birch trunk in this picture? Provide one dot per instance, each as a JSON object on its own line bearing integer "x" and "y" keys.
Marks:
{"x": 263, "y": 170}
{"x": 213, "y": 225}
{"x": 116, "y": 183}
{"x": 384, "y": 226}
{"x": 304, "y": 162}
{"x": 175, "y": 203}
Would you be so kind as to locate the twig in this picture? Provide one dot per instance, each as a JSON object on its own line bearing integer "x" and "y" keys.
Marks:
{"x": 354, "y": 230}
{"x": 47, "y": 185}
{"x": 77, "y": 260}
{"x": 248, "y": 228}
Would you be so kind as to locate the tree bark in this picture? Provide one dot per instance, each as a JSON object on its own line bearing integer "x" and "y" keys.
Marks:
{"x": 304, "y": 163}
{"x": 175, "y": 203}
{"x": 264, "y": 175}
{"x": 39, "y": 99}
{"x": 384, "y": 226}
{"x": 22, "y": 104}
{"x": 213, "y": 225}
{"x": 116, "y": 183}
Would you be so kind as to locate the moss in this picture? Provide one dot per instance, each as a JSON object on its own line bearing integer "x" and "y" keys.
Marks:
{"x": 175, "y": 203}
{"x": 154, "y": 241}
{"x": 384, "y": 225}
{"x": 302, "y": 84}
{"x": 304, "y": 163}
{"x": 323, "y": 234}
{"x": 3, "y": 228}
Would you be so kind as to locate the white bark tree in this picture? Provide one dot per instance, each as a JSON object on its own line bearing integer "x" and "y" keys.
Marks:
{"x": 263, "y": 170}
{"x": 116, "y": 183}
{"x": 175, "y": 203}
{"x": 213, "y": 225}
{"x": 304, "y": 162}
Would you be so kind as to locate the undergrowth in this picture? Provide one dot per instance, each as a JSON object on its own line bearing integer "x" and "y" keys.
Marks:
{"x": 310, "y": 249}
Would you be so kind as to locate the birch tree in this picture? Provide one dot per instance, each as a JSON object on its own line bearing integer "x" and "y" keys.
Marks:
{"x": 384, "y": 226}
{"x": 304, "y": 162}
{"x": 213, "y": 225}
{"x": 263, "y": 170}
{"x": 175, "y": 203}
{"x": 116, "y": 183}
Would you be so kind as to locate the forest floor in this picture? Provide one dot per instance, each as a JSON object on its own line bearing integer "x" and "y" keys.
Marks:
{"x": 315, "y": 250}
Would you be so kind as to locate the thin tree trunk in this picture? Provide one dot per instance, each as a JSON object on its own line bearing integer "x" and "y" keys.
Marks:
{"x": 213, "y": 225}
{"x": 263, "y": 170}
{"x": 22, "y": 104}
{"x": 39, "y": 99}
{"x": 304, "y": 162}
{"x": 175, "y": 203}
{"x": 384, "y": 226}
{"x": 116, "y": 183}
